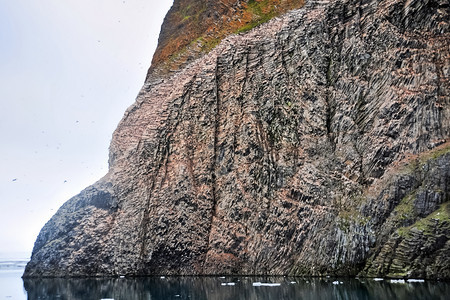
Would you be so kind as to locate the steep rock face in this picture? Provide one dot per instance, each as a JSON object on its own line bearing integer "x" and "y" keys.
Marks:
{"x": 315, "y": 144}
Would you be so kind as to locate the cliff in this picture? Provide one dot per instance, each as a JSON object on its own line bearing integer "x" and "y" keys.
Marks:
{"x": 316, "y": 143}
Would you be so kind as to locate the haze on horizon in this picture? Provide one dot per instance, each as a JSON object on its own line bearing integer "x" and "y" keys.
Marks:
{"x": 69, "y": 71}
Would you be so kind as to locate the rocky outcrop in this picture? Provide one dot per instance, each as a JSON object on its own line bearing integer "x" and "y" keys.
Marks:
{"x": 314, "y": 144}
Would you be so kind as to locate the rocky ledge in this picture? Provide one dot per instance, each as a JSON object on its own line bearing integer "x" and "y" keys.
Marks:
{"x": 314, "y": 144}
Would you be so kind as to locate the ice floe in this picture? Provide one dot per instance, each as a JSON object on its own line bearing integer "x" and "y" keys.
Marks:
{"x": 265, "y": 284}
{"x": 397, "y": 280}
{"x": 416, "y": 280}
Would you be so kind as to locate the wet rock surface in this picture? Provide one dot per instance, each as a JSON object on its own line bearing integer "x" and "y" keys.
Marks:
{"x": 315, "y": 144}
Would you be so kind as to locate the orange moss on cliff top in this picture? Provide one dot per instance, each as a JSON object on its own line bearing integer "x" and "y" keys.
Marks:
{"x": 193, "y": 27}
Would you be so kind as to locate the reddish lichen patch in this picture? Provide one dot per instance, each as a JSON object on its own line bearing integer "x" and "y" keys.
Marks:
{"x": 193, "y": 27}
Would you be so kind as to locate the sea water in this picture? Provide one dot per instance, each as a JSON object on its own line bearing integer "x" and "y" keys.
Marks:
{"x": 11, "y": 270}
{"x": 215, "y": 288}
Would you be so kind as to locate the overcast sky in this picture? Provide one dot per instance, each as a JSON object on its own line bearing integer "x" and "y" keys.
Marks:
{"x": 68, "y": 71}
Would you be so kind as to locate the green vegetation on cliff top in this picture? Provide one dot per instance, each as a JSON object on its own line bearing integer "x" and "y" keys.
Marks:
{"x": 195, "y": 27}
{"x": 261, "y": 14}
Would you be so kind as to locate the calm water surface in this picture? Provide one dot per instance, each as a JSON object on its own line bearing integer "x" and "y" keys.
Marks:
{"x": 215, "y": 288}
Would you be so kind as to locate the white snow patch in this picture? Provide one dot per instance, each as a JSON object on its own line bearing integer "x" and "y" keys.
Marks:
{"x": 265, "y": 284}
{"x": 162, "y": 277}
{"x": 228, "y": 283}
{"x": 416, "y": 280}
{"x": 293, "y": 282}
{"x": 223, "y": 277}
{"x": 378, "y": 279}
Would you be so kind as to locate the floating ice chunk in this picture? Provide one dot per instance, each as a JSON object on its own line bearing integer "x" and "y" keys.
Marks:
{"x": 397, "y": 280}
{"x": 378, "y": 279}
{"x": 265, "y": 284}
{"x": 228, "y": 283}
{"x": 416, "y": 280}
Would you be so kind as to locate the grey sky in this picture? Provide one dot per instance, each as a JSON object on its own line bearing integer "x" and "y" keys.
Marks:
{"x": 69, "y": 69}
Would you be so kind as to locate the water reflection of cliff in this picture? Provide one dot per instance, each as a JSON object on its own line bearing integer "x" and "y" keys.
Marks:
{"x": 198, "y": 288}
